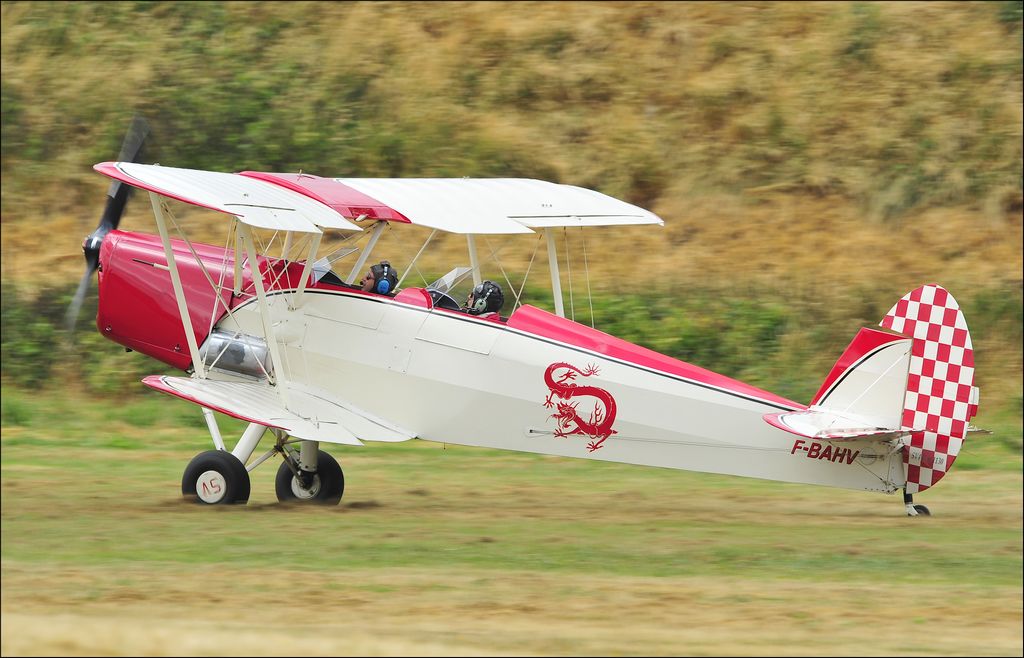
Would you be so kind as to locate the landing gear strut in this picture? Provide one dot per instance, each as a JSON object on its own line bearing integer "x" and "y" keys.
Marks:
{"x": 912, "y": 509}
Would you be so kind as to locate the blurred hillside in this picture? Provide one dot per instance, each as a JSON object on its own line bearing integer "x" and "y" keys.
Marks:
{"x": 825, "y": 152}
{"x": 849, "y": 121}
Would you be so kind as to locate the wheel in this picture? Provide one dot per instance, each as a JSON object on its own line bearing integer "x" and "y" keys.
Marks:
{"x": 922, "y": 510}
{"x": 216, "y": 477}
{"x": 326, "y": 488}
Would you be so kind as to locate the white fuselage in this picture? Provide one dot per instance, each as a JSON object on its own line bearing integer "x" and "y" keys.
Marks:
{"x": 449, "y": 377}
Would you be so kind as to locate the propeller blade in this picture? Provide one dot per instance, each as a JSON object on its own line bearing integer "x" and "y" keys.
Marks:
{"x": 117, "y": 198}
{"x": 117, "y": 195}
{"x": 71, "y": 317}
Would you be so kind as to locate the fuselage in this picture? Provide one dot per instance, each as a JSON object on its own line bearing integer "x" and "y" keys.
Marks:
{"x": 535, "y": 382}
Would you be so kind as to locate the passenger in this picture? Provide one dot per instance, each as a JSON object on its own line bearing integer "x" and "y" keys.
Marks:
{"x": 485, "y": 301}
{"x": 382, "y": 279}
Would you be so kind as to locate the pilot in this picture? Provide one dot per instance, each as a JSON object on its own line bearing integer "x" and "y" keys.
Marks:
{"x": 485, "y": 300}
{"x": 382, "y": 279}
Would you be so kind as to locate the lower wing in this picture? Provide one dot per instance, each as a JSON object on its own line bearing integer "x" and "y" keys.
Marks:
{"x": 309, "y": 415}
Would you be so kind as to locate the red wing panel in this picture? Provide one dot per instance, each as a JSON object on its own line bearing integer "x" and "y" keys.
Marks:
{"x": 342, "y": 198}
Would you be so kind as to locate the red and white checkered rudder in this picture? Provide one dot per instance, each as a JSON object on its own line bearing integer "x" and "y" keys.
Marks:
{"x": 941, "y": 398}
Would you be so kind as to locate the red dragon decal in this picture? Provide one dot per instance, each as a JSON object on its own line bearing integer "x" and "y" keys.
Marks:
{"x": 599, "y": 427}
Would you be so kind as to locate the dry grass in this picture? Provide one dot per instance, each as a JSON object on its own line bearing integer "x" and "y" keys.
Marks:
{"x": 388, "y": 612}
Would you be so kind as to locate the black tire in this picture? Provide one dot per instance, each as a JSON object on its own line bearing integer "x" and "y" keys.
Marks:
{"x": 216, "y": 477}
{"x": 922, "y": 510}
{"x": 328, "y": 483}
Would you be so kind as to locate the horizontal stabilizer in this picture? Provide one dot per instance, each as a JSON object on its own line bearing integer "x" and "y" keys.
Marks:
{"x": 309, "y": 415}
{"x": 823, "y": 424}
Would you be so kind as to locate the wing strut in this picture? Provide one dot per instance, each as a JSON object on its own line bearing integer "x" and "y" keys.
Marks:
{"x": 378, "y": 228}
{"x": 287, "y": 245}
{"x": 245, "y": 231}
{"x": 238, "y": 257}
{"x": 474, "y": 260}
{"x": 179, "y": 293}
{"x": 556, "y": 282}
{"x": 314, "y": 246}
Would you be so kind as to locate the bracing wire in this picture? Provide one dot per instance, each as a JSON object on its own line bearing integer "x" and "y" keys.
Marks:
{"x": 277, "y": 276}
{"x": 528, "y": 268}
{"x": 209, "y": 279}
{"x": 223, "y": 273}
{"x": 412, "y": 263}
{"x": 494, "y": 256}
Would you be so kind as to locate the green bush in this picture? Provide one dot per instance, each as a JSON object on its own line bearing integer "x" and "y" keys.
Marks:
{"x": 14, "y": 411}
{"x": 38, "y": 350}
{"x": 30, "y": 345}
{"x": 1011, "y": 12}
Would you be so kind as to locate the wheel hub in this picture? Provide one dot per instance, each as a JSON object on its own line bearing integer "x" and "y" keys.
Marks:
{"x": 211, "y": 487}
{"x": 306, "y": 493}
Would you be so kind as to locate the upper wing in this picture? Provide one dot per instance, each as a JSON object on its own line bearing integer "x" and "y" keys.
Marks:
{"x": 466, "y": 205}
{"x": 312, "y": 416}
{"x": 254, "y": 202}
{"x": 498, "y": 205}
{"x": 300, "y": 202}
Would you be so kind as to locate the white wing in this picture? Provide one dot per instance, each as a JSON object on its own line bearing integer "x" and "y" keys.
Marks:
{"x": 254, "y": 202}
{"x": 311, "y": 415}
{"x": 498, "y": 205}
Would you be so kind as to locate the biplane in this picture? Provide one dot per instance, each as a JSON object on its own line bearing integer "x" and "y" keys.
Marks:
{"x": 291, "y": 344}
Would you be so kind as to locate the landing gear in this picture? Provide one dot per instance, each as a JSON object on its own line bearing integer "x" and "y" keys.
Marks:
{"x": 912, "y": 509}
{"x": 321, "y": 482}
{"x": 216, "y": 477}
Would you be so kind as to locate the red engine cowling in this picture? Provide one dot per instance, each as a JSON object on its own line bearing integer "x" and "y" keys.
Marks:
{"x": 137, "y": 306}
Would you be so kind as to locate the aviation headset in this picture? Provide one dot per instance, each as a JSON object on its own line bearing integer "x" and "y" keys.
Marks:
{"x": 486, "y": 297}
{"x": 384, "y": 276}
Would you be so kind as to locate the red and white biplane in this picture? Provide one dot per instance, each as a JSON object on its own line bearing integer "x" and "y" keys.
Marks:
{"x": 289, "y": 346}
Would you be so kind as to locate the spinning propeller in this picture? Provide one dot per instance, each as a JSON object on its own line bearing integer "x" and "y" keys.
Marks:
{"x": 117, "y": 196}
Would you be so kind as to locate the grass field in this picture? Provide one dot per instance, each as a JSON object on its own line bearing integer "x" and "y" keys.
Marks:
{"x": 444, "y": 550}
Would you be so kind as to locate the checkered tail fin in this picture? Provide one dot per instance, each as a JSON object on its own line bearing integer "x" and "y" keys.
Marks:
{"x": 940, "y": 398}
